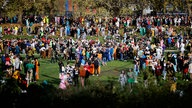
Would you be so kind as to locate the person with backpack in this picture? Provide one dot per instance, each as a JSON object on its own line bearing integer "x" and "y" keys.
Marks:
{"x": 96, "y": 67}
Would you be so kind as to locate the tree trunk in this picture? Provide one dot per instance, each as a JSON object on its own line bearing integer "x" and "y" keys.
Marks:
{"x": 115, "y": 11}
{"x": 20, "y": 18}
{"x": 189, "y": 9}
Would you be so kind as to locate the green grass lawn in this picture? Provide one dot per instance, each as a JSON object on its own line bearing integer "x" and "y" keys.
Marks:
{"x": 109, "y": 73}
{"x": 50, "y": 72}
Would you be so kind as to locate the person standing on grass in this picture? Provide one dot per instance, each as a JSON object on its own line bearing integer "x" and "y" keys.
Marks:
{"x": 122, "y": 79}
{"x": 96, "y": 67}
{"x": 87, "y": 72}
{"x": 158, "y": 72}
{"x": 17, "y": 49}
{"x": 53, "y": 56}
{"x": 164, "y": 69}
{"x": 25, "y": 62}
{"x": 60, "y": 64}
{"x": 30, "y": 67}
{"x": 190, "y": 70}
{"x": 76, "y": 76}
{"x": 180, "y": 61}
{"x": 145, "y": 78}
{"x": 30, "y": 53}
{"x": 185, "y": 70}
{"x": 16, "y": 30}
{"x": 174, "y": 61}
{"x": 182, "y": 47}
{"x": 130, "y": 76}
{"x": 17, "y": 67}
{"x": 136, "y": 71}
{"x": 1, "y": 30}
{"x": 36, "y": 70}
{"x": 82, "y": 74}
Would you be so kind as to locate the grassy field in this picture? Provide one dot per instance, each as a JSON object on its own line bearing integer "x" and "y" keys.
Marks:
{"x": 109, "y": 73}
{"x": 50, "y": 71}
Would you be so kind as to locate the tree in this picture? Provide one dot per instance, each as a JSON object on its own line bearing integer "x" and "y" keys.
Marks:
{"x": 113, "y": 6}
{"x": 161, "y": 5}
{"x": 141, "y": 4}
{"x": 2, "y": 3}
{"x": 38, "y": 7}
{"x": 42, "y": 7}
{"x": 17, "y": 7}
{"x": 83, "y": 6}
{"x": 157, "y": 5}
{"x": 189, "y": 7}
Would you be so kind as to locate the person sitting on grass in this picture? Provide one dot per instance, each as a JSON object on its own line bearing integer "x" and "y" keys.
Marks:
{"x": 63, "y": 81}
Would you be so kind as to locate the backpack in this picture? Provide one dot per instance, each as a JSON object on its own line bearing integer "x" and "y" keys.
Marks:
{"x": 96, "y": 63}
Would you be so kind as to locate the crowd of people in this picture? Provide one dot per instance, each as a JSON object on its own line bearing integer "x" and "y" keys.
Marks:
{"x": 145, "y": 43}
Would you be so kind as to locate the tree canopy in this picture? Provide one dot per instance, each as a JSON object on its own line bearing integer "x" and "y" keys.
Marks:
{"x": 112, "y": 7}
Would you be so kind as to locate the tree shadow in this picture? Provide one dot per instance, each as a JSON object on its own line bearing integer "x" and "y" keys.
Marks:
{"x": 53, "y": 80}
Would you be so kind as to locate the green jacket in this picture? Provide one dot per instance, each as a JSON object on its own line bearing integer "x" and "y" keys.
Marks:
{"x": 29, "y": 66}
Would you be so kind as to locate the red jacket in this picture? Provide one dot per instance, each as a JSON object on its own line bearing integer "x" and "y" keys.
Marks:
{"x": 158, "y": 70}
{"x": 87, "y": 67}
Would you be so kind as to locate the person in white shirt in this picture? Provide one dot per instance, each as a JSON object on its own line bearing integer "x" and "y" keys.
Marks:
{"x": 182, "y": 46}
{"x": 123, "y": 79}
{"x": 190, "y": 70}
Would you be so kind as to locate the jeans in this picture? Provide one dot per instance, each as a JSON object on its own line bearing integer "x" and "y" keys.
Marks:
{"x": 104, "y": 59}
{"x": 121, "y": 56}
{"x": 175, "y": 68}
{"x": 164, "y": 74}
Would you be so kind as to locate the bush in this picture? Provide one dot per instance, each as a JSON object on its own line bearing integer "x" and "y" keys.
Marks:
{"x": 99, "y": 96}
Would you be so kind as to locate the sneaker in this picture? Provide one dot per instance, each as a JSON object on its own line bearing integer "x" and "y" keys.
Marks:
{"x": 23, "y": 91}
{"x": 97, "y": 74}
{"x": 93, "y": 75}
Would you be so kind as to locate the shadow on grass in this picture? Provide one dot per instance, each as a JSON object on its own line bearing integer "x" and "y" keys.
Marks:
{"x": 52, "y": 80}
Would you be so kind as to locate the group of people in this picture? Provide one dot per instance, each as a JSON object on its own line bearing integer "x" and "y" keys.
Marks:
{"x": 147, "y": 49}
{"x": 78, "y": 74}
{"x": 12, "y": 65}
